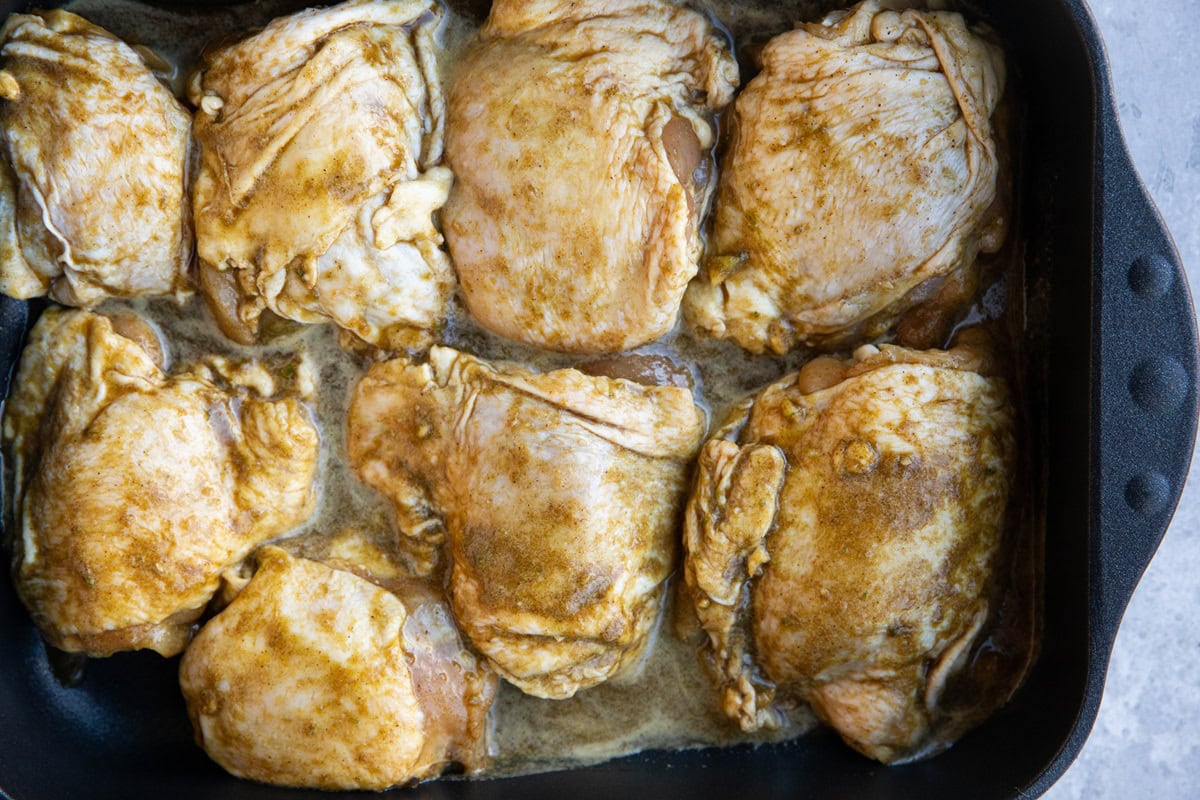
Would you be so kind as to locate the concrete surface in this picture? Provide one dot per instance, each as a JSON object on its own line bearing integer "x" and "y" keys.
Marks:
{"x": 1146, "y": 743}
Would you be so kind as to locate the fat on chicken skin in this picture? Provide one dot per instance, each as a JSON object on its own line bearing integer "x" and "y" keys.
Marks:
{"x": 557, "y": 495}
{"x": 94, "y": 154}
{"x": 862, "y": 173}
{"x": 579, "y": 135}
{"x": 320, "y": 138}
{"x": 841, "y": 538}
{"x": 135, "y": 489}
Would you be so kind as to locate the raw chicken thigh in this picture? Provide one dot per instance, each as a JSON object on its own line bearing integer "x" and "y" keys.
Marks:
{"x": 318, "y": 677}
{"x": 93, "y": 166}
{"x": 861, "y": 172}
{"x": 841, "y": 539}
{"x": 579, "y": 135}
{"x": 135, "y": 489}
{"x": 319, "y": 140}
{"x": 559, "y": 495}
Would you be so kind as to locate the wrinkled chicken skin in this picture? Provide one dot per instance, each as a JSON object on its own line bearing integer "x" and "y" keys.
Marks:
{"x": 862, "y": 171}
{"x": 93, "y": 167}
{"x": 319, "y": 139}
{"x": 317, "y": 677}
{"x": 134, "y": 489}
{"x": 578, "y": 134}
{"x": 841, "y": 537}
{"x": 558, "y": 494}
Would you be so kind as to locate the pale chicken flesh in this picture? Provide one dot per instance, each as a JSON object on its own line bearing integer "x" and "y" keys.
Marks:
{"x": 862, "y": 170}
{"x": 558, "y": 496}
{"x": 320, "y": 138}
{"x": 579, "y": 136}
{"x": 841, "y": 539}
{"x": 93, "y": 166}
{"x": 135, "y": 489}
{"x": 319, "y": 677}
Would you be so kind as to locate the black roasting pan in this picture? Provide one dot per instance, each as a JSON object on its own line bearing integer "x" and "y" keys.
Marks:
{"x": 1113, "y": 406}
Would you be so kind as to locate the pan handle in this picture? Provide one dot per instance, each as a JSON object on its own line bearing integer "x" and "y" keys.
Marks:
{"x": 1144, "y": 372}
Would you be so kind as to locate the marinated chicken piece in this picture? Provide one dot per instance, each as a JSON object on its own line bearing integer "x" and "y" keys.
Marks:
{"x": 318, "y": 677}
{"x": 579, "y": 135}
{"x": 841, "y": 538}
{"x": 861, "y": 172}
{"x": 135, "y": 489}
{"x": 93, "y": 166}
{"x": 558, "y": 493}
{"x": 319, "y": 140}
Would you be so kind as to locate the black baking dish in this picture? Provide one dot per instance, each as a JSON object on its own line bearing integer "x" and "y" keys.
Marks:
{"x": 1115, "y": 408}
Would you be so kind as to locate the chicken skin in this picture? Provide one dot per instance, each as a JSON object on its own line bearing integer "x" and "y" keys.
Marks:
{"x": 557, "y": 493}
{"x": 841, "y": 538}
{"x": 317, "y": 677}
{"x": 93, "y": 167}
{"x": 134, "y": 490}
{"x": 579, "y": 136}
{"x": 861, "y": 173}
{"x": 320, "y": 138}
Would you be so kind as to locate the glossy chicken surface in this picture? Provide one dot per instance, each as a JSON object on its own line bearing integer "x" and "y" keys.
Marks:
{"x": 557, "y": 494}
{"x": 93, "y": 166}
{"x": 135, "y": 489}
{"x": 318, "y": 677}
{"x": 579, "y": 136}
{"x": 841, "y": 538}
{"x": 861, "y": 172}
{"x": 320, "y": 138}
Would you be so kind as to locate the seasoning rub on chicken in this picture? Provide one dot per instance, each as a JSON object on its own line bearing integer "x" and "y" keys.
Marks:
{"x": 557, "y": 493}
{"x": 320, "y": 138}
{"x": 579, "y": 135}
{"x": 861, "y": 173}
{"x": 136, "y": 489}
{"x": 93, "y": 166}
{"x": 841, "y": 538}
{"x": 319, "y": 677}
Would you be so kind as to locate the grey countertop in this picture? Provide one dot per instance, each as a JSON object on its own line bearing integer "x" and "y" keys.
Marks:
{"x": 1146, "y": 742}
